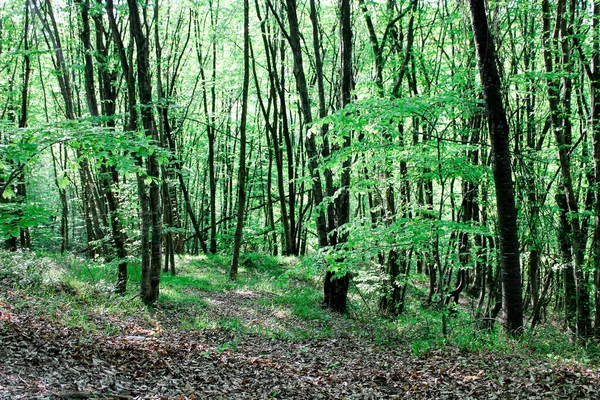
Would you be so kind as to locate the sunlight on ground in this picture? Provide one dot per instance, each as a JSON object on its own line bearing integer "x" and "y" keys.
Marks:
{"x": 282, "y": 314}
{"x": 247, "y": 294}
{"x": 53, "y": 274}
{"x": 216, "y": 302}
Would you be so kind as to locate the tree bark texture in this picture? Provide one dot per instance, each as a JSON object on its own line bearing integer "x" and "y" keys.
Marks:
{"x": 237, "y": 239}
{"x": 109, "y": 177}
{"x": 557, "y": 52}
{"x": 151, "y": 272}
{"x": 499, "y": 137}
{"x": 336, "y": 288}
{"x": 311, "y": 143}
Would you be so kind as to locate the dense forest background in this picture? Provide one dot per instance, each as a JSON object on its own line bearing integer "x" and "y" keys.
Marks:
{"x": 354, "y": 135}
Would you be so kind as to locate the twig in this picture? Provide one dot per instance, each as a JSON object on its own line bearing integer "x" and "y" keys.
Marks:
{"x": 363, "y": 298}
{"x": 24, "y": 381}
{"x": 87, "y": 395}
{"x": 125, "y": 299}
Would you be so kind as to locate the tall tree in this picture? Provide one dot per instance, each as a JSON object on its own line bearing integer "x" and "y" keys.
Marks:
{"x": 109, "y": 176}
{"x": 595, "y": 92}
{"x": 335, "y": 286}
{"x": 151, "y": 269}
{"x": 239, "y": 228}
{"x": 91, "y": 208}
{"x": 501, "y": 166}
{"x": 294, "y": 39}
{"x": 558, "y": 45}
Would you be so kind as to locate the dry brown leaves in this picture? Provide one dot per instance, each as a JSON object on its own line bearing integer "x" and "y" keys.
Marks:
{"x": 43, "y": 360}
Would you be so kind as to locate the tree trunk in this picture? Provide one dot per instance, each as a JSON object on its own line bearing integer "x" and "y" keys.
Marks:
{"x": 336, "y": 288}
{"x": 25, "y": 237}
{"x": 559, "y": 113}
{"x": 311, "y": 143}
{"x": 595, "y": 91}
{"x": 89, "y": 205}
{"x": 275, "y": 131}
{"x": 109, "y": 175}
{"x": 499, "y": 137}
{"x": 242, "y": 160}
{"x": 151, "y": 271}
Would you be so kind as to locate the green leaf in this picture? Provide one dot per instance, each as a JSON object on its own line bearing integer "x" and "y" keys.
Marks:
{"x": 63, "y": 182}
{"x": 8, "y": 193}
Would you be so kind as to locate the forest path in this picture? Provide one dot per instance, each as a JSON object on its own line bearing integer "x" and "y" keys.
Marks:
{"x": 155, "y": 360}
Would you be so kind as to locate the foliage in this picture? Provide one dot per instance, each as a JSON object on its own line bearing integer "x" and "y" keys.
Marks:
{"x": 414, "y": 138}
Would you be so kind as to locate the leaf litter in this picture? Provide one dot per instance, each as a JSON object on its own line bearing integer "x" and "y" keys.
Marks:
{"x": 142, "y": 359}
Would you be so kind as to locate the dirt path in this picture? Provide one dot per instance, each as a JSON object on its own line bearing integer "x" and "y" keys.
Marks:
{"x": 39, "y": 360}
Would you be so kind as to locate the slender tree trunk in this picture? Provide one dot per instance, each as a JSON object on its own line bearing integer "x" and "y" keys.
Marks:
{"x": 25, "y": 237}
{"x": 90, "y": 207}
{"x": 595, "y": 92}
{"x": 311, "y": 143}
{"x": 336, "y": 288}
{"x": 151, "y": 271}
{"x": 277, "y": 92}
{"x": 499, "y": 137}
{"x": 109, "y": 175}
{"x": 559, "y": 113}
{"x": 326, "y": 148}
{"x": 210, "y": 119}
{"x": 242, "y": 160}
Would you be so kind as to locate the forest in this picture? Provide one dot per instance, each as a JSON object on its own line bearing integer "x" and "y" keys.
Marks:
{"x": 299, "y": 199}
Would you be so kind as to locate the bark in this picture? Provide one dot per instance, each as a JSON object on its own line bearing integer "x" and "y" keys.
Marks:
{"x": 242, "y": 160}
{"x": 325, "y": 147}
{"x": 168, "y": 122}
{"x": 210, "y": 119}
{"x": 132, "y": 126}
{"x": 90, "y": 207}
{"x": 213, "y": 110}
{"x": 560, "y": 108}
{"x": 26, "y": 69}
{"x": 109, "y": 175}
{"x": 377, "y": 48}
{"x": 62, "y": 193}
{"x": 336, "y": 288}
{"x": 279, "y": 135}
{"x": 126, "y": 65}
{"x": 499, "y": 137}
{"x": 151, "y": 271}
{"x": 25, "y": 237}
{"x": 310, "y": 141}
{"x": 595, "y": 92}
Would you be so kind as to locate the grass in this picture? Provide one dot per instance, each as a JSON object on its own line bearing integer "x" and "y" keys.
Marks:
{"x": 66, "y": 289}
{"x": 272, "y": 297}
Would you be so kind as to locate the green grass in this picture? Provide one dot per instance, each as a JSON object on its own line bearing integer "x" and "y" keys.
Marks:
{"x": 423, "y": 332}
{"x": 198, "y": 324}
{"x": 302, "y": 303}
{"x": 67, "y": 289}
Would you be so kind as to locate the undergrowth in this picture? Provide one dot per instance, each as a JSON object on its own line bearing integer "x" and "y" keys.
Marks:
{"x": 282, "y": 301}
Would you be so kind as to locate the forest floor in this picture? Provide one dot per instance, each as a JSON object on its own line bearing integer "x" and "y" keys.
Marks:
{"x": 240, "y": 342}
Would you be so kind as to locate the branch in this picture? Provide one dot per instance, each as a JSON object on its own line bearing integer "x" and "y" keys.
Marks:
{"x": 17, "y": 171}
{"x": 279, "y": 22}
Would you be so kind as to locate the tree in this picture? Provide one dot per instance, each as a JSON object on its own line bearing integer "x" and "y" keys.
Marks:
{"x": 109, "y": 177}
{"x": 336, "y": 283}
{"x": 294, "y": 39}
{"x": 361, "y": 141}
{"x": 150, "y": 204}
{"x": 501, "y": 166}
{"x": 242, "y": 161}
